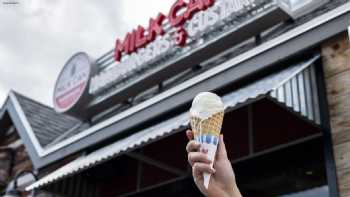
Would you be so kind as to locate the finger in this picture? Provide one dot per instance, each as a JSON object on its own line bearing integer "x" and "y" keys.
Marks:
{"x": 192, "y": 146}
{"x": 204, "y": 150}
{"x": 200, "y": 168}
{"x": 221, "y": 152}
{"x": 189, "y": 134}
{"x": 198, "y": 157}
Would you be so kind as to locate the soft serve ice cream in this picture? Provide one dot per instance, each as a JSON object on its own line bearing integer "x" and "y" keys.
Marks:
{"x": 206, "y": 104}
{"x": 206, "y": 114}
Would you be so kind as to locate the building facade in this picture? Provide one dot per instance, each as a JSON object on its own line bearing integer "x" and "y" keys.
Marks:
{"x": 281, "y": 68}
{"x": 336, "y": 53}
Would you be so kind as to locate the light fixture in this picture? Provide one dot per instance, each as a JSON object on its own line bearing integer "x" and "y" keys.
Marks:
{"x": 13, "y": 191}
{"x": 298, "y": 8}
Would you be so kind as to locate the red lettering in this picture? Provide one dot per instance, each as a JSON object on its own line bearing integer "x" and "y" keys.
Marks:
{"x": 155, "y": 27}
{"x": 181, "y": 37}
{"x": 132, "y": 45}
{"x": 137, "y": 39}
{"x": 123, "y": 46}
{"x": 174, "y": 19}
{"x": 194, "y": 6}
{"x": 140, "y": 39}
{"x": 209, "y": 3}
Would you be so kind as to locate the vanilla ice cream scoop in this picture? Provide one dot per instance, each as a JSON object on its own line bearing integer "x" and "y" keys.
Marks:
{"x": 205, "y": 105}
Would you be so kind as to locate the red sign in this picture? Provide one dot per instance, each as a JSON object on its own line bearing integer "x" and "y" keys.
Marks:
{"x": 72, "y": 82}
{"x": 137, "y": 38}
{"x": 65, "y": 100}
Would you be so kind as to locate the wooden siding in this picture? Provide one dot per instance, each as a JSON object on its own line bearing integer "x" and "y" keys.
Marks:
{"x": 21, "y": 160}
{"x": 336, "y": 60}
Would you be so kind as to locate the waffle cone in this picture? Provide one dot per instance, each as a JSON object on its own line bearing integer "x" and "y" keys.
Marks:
{"x": 209, "y": 126}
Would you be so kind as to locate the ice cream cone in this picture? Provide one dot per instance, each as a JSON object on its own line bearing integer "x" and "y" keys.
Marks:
{"x": 206, "y": 117}
{"x": 208, "y": 127}
{"x": 207, "y": 132}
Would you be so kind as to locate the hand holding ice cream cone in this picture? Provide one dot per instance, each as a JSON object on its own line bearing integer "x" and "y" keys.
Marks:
{"x": 207, "y": 114}
{"x": 212, "y": 170}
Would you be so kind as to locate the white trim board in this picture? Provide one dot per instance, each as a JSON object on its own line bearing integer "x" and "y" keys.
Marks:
{"x": 25, "y": 123}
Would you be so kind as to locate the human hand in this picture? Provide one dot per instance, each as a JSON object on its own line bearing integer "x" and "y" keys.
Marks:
{"x": 222, "y": 181}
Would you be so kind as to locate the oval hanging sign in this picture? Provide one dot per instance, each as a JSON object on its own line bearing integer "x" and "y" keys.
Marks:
{"x": 71, "y": 89}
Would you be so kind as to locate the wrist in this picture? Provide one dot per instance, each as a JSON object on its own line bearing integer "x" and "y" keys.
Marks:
{"x": 228, "y": 192}
{"x": 236, "y": 192}
{"x": 233, "y": 192}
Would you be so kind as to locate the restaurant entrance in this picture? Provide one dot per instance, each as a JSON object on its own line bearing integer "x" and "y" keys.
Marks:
{"x": 274, "y": 130}
{"x": 274, "y": 153}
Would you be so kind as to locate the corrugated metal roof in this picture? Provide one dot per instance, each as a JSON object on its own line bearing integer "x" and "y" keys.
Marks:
{"x": 300, "y": 94}
{"x": 136, "y": 140}
{"x": 267, "y": 86}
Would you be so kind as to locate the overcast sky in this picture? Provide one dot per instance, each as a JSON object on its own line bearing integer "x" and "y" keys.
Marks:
{"x": 38, "y": 36}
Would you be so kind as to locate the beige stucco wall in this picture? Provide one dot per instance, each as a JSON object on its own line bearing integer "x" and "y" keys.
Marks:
{"x": 336, "y": 60}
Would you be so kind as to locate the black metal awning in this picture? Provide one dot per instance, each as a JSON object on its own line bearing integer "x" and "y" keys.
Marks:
{"x": 294, "y": 87}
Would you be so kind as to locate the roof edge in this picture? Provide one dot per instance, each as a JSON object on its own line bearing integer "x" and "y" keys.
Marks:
{"x": 280, "y": 40}
{"x": 25, "y": 121}
{"x": 23, "y": 128}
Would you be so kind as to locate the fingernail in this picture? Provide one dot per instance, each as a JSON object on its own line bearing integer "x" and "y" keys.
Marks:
{"x": 213, "y": 170}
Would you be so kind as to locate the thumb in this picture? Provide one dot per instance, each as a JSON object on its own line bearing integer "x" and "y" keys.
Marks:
{"x": 221, "y": 152}
{"x": 189, "y": 134}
